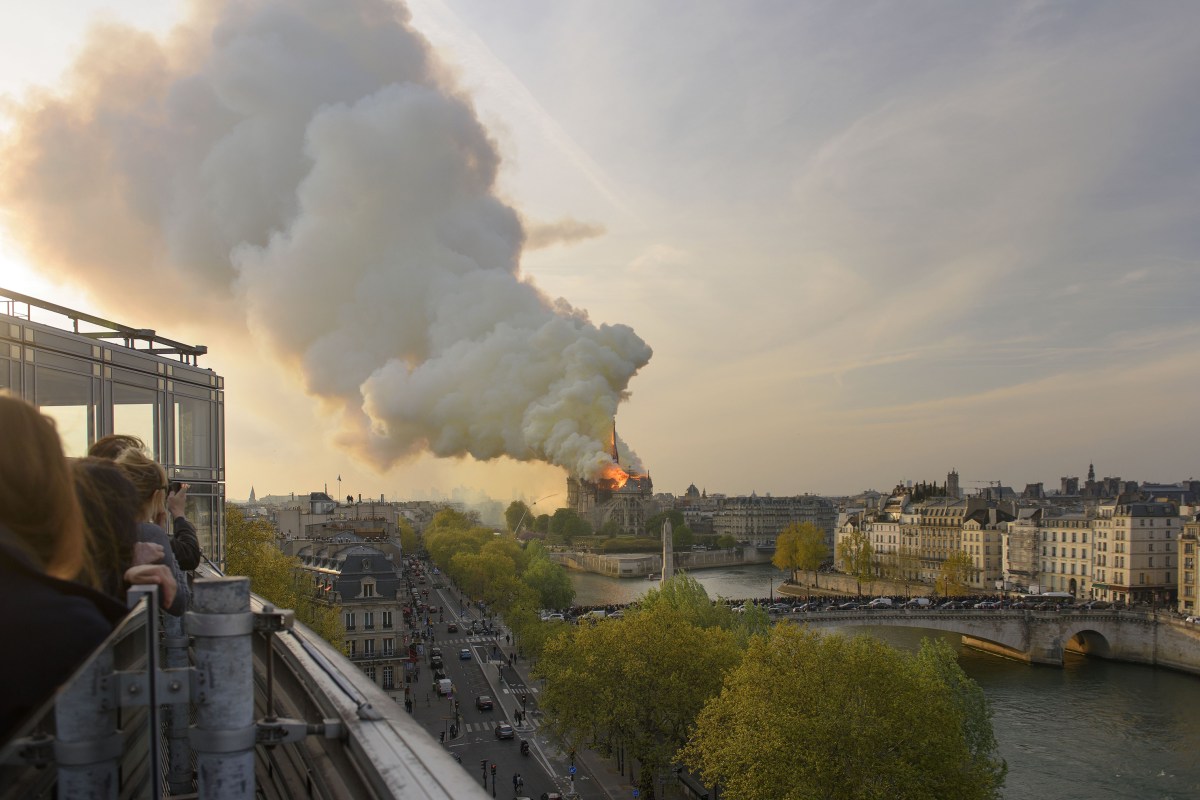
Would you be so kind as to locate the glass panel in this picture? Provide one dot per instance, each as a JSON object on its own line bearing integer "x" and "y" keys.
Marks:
{"x": 200, "y": 511}
{"x": 66, "y": 398}
{"x": 193, "y": 434}
{"x": 133, "y": 413}
{"x": 5, "y": 381}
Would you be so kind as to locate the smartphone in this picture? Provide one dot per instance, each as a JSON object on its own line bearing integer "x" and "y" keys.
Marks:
{"x": 174, "y": 487}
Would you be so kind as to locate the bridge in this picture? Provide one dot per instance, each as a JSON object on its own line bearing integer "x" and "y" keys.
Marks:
{"x": 1044, "y": 637}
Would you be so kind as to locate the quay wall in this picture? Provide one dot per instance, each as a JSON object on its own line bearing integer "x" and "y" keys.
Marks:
{"x": 639, "y": 565}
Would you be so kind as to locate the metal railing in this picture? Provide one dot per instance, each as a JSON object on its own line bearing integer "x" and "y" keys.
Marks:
{"x": 232, "y": 701}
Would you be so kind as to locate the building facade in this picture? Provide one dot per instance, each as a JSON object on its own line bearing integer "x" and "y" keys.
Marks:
{"x": 95, "y": 377}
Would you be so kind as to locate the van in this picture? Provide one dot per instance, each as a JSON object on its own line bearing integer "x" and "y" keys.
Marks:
{"x": 444, "y": 687}
{"x": 919, "y": 602}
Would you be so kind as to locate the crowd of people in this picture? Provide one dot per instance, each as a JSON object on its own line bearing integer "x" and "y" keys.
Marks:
{"x": 75, "y": 534}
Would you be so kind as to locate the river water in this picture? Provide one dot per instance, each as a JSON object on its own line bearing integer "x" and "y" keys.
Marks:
{"x": 1093, "y": 729}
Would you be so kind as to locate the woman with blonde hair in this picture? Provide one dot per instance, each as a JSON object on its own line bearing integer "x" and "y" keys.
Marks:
{"x": 185, "y": 544}
{"x": 55, "y": 621}
{"x": 149, "y": 481}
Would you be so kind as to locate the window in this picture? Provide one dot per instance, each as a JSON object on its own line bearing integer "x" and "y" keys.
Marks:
{"x": 389, "y": 678}
{"x": 389, "y": 646}
{"x": 369, "y": 620}
{"x": 369, "y": 647}
{"x": 368, "y": 590}
{"x": 193, "y": 435}
{"x": 349, "y": 620}
{"x": 387, "y": 619}
{"x": 67, "y": 399}
{"x": 353, "y": 648}
{"x": 370, "y": 672}
{"x": 133, "y": 412}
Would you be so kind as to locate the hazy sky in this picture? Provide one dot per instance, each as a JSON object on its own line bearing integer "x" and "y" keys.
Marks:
{"x": 866, "y": 242}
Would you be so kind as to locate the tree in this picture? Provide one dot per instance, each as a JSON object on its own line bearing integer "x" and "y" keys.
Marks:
{"x": 956, "y": 574}
{"x": 566, "y": 524}
{"x": 610, "y": 529}
{"x": 250, "y": 551}
{"x": 551, "y": 583}
{"x": 808, "y": 717}
{"x": 655, "y": 522}
{"x": 409, "y": 542}
{"x": 516, "y": 513}
{"x": 726, "y": 542}
{"x": 617, "y": 683}
{"x": 857, "y": 556}
{"x": 811, "y": 550}
{"x": 785, "y": 551}
{"x": 681, "y": 537}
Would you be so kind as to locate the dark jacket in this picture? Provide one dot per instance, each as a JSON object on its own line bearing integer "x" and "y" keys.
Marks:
{"x": 186, "y": 544}
{"x": 149, "y": 532}
{"x": 52, "y": 626}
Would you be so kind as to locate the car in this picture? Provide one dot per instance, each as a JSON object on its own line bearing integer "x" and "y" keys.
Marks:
{"x": 439, "y": 674}
{"x": 483, "y": 702}
{"x": 780, "y": 608}
{"x": 451, "y": 627}
{"x": 551, "y": 796}
{"x": 1192, "y": 620}
{"x": 880, "y": 602}
{"x": 464, "y": 654}
{"x": 505, "y": 731}
{"x": 851, "y": 606}
{"x": 986, "y": 604}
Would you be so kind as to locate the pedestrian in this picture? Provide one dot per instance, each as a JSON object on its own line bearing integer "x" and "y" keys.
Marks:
{"x": 428, "y": 700}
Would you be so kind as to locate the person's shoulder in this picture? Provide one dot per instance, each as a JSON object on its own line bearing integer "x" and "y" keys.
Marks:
{"x": 149, "y": 532}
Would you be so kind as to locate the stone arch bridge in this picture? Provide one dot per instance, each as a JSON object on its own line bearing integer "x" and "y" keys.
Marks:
{"x": 1043, "y": 637}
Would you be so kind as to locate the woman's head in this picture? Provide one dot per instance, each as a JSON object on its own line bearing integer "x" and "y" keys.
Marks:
{"x": 37, "y": 495}
{"x": 148, "y": 478}
{"x": 110, "y": 511}
{"x": 112, "y": 445}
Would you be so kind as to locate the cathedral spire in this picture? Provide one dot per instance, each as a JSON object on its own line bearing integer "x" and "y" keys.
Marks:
{"x": 616, "y": 460}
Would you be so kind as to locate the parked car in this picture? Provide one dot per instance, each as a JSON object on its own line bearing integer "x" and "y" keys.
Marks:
{"x": 464, "y": 654}
{"x": 505, "y": 731}
{"x": 919, "y": 602}
{"x": 851, "y": 606}
{"x": 483, "y": 702}
{"x": 880, "y": 602}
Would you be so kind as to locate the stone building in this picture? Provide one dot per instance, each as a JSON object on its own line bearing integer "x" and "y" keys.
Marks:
{"x": 363, "y": 581}
{"x": 757, "y": 521}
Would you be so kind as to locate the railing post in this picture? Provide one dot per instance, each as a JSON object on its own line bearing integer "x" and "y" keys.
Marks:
{"x": 223, "y": 692}
{"x": 179, "y": 754}
{"x": 88, "y": 745}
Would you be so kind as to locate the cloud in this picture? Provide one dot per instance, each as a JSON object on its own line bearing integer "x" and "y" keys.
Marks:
{"x": 308, "y": 169}
{"x": 565, "y": 231}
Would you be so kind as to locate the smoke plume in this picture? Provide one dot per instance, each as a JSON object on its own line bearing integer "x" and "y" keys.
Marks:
{"x": 308, "y": 166}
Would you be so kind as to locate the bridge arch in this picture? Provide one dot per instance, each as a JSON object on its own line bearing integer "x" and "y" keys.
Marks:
{"x": 1089, "y": 642}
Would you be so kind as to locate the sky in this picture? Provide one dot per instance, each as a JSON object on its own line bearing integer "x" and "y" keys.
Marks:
{"x": 797, "y": 246}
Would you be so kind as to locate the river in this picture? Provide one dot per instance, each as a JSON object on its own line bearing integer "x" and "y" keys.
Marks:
{"x": 1093, "y": 729}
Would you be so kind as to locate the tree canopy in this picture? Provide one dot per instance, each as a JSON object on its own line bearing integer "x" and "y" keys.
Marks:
{"x": 250, "y": 550}
{"x": 956, "y": 574}
{"x": 812, "y": 717}
{"x": 858, "y": 557}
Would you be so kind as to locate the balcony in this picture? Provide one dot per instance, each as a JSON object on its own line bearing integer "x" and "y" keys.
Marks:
{"x": 291, "y": 717}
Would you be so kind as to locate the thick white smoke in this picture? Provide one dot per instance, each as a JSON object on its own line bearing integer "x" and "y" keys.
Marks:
{"x": 307, "y": 164}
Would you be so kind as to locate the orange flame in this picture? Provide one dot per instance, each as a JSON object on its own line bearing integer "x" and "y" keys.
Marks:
{"x": 614, "y": 476}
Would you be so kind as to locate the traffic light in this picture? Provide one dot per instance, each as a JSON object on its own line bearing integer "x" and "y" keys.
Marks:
{"x": 493, "y": 769}
{"x": 483, "y": 764}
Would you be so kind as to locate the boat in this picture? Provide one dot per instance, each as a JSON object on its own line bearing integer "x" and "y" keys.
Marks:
{"x": 654, "y": 576}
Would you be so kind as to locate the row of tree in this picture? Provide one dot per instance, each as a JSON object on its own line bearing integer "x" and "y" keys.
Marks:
{"x": 801, "y": 546}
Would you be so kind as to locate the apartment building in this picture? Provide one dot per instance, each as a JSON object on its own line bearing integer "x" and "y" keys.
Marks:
{"x": 1136, "y": 553}
{"x": 757, "y": 521}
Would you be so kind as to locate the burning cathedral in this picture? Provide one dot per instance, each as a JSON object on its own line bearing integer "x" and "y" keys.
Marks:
{"x": 625, "y": 497}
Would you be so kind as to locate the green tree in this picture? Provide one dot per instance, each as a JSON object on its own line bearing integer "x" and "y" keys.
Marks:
{"x": 516, "y": 513}
{"x": 681, "y": 537}
{"x": 543, "y": 523}
{"x": 811, "y": 550}
{"x": 857, "y": 556}
{"x": 785, "y": 551}
{"x": 812, "y": 717}
{"x": 250, "y": 550}
{"x": 618, "y": 683}
{"x": 956, "y": 574}
{"x": 566, "y": 524}
{"x": 551, "y": 583}
{"x": 410, "y": 543}
{"x": 655, "y": 522}
{"x": 610, "y": 529}
{"x": 726, "y": 542}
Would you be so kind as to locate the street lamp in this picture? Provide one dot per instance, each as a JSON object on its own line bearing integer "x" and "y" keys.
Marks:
{"x": 517, "y": 530}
